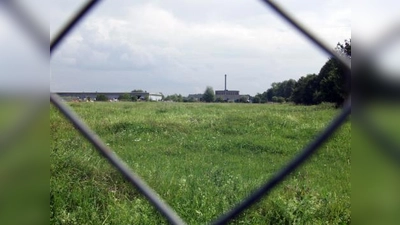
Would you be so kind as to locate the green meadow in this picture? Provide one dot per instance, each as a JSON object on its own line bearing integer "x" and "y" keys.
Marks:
{"x": 202, "y": 159}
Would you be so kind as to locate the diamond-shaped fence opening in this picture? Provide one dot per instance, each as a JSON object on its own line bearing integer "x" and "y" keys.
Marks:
{"x": 135, "y": 180}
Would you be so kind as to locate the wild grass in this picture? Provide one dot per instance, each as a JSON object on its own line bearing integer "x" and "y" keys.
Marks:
{"x": 202, "y": 159}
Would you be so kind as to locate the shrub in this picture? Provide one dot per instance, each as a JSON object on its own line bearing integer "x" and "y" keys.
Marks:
{"x": 278, "y": 99}
{"x": 219, "y": 99}
{"x": 256, "y": 99}
{"x": 102, "y": 98}
{"x": 124, "y": 97}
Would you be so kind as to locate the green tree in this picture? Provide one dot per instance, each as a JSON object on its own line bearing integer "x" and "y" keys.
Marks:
{"x": 269, "y": 94}
{"x": 288, "y": 88}
{"x": 209, "y": 95}
{"x": 256, "y": 99}
{"x": 243, "y": 99}
{"x": 344, "y": 48}
{"x": 179, "y": 98}
{"x": 262, "y": 97}
{"x": 281, "y": 89}
{"x": 335, "y": 83}
{"x": 330, "y": 85}
{"x": 191, "y": 99}
{"x": 125, "y": 97}
{"x": 332, "y": 82}
{"x": 304, "y": 90}
{"x": 174, "y": 98}
{"x": 278, "y": 99}
{"x": 101, "y": 97}
{"x": 219, "y": 99}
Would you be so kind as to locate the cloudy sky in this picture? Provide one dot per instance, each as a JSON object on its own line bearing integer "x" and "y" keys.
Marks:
{"x": 172, "y": 46}
{"x": 183, "y": 46}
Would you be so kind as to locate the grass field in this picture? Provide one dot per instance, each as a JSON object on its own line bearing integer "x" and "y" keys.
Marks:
{"x": 202, "y": 159}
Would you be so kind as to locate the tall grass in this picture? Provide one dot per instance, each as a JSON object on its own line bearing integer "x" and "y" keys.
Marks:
{"x": 202, "y": 159}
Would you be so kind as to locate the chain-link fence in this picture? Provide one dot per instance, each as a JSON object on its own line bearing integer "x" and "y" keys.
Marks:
{"x": 387, "y": 144}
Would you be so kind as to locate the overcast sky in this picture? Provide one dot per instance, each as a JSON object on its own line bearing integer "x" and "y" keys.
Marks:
{"x": 183, "y": 46}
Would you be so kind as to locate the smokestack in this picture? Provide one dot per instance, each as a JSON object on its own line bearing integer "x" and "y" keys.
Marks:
{"x": 225, "y": 82}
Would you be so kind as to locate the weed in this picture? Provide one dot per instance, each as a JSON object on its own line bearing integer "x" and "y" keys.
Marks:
{"x": 202, "y": 159}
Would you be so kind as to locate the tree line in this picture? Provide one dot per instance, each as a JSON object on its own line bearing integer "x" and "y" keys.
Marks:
{"x": 329, "y": 85}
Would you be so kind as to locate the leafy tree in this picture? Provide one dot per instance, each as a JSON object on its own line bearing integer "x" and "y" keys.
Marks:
{"x": 334, "y": 85}
{"x": 125, "y": 97}
{"x": 288, "y": 88}
{"x": 209, "y": 95}
{"x": 262, "y": 97}
{"x": 219, "y": 99}
{"x": 279, "y": 99}
{"x": 304, "y": 90}
{"x": 281, "y": 89}
{"x": 174, "y": 98}
{"x": 191, "y": 99}
{"x": 256, "y": 99}
{"x": 101, "y": 97}
{"x": 332, "y": 82}
{"x": 317, "y": 97}
{"x": 269, "y": 94}
{"x": 344, "y": 48}
{"x": 179, "y": 98}
{"x": 243, "y": 99}
{"x": 168, "y": 98}
{"x": 330, "y": 85}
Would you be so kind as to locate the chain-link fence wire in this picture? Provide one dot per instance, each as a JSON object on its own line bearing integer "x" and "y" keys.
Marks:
{"x": 32, "y": 99}
{"x": 162, "y": 207}
{"x": 158, "y": 203}
{"x": 371, "y": 88}
{"x": 136, "y": 181}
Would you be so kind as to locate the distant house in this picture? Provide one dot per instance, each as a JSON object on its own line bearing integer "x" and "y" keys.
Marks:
{"x": 143, "y": 95}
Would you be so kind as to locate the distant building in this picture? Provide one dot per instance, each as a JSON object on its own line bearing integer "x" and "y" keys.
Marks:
{"x": 228, "y": 95}
{"x": 146, "y": 95}
{"x": 89, "y": 95}
{"x": 110, "y": 95}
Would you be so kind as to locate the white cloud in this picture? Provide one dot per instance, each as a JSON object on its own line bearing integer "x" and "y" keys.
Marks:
{"x": 180, "y": 52}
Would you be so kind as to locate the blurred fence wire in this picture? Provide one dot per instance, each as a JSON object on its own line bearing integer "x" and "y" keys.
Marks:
{"x": 134, "y": 179}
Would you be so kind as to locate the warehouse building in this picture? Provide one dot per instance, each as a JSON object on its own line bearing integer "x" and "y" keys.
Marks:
{"x": 229, "y": 95}
{"x": 83, "y": 96}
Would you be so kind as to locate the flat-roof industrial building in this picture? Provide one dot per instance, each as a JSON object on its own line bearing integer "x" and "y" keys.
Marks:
{"x": 111, "y": 95}
{"x": 229, "y": 95}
